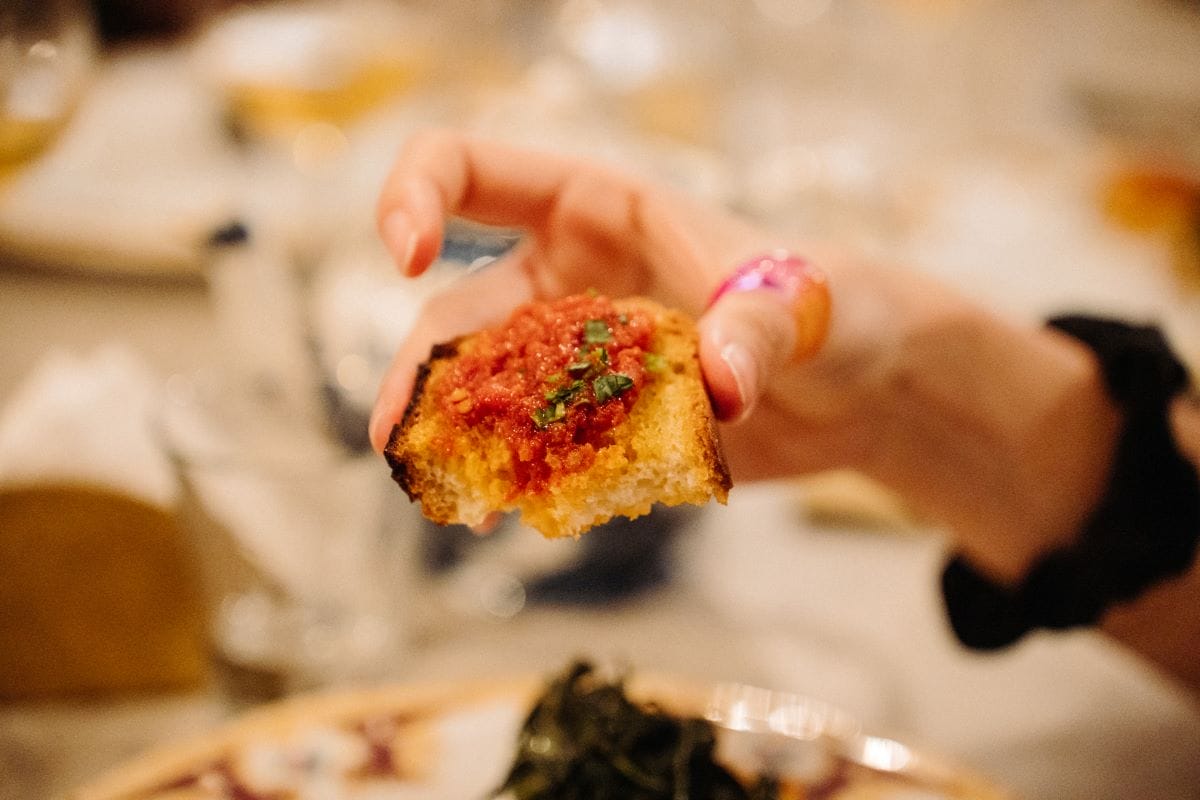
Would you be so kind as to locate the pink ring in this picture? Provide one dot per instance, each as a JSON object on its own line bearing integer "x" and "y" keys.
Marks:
{"x": 801, "y": 281}
{"x": 778, "y": 269}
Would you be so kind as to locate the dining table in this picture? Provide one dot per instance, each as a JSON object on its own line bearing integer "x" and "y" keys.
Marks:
{"x": 214, "y": 264}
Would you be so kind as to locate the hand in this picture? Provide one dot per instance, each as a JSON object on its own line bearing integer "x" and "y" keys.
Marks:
{"x": 591, "y": 227}
{"x": 1002, "y": 431}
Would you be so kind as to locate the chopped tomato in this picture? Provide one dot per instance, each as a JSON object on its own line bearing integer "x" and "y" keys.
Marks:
{"x": 553, "y": 382}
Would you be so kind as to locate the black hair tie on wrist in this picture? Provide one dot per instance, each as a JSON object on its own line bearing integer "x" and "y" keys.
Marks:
{"x": 1145, "y": 528}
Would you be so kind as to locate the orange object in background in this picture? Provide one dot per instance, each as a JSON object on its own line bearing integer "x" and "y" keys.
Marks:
{"x": 98, "y": 594}
{"x": 1163, "y": 203}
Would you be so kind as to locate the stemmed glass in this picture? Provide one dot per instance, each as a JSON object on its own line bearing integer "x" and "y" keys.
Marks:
{"x": 47, "y": 48}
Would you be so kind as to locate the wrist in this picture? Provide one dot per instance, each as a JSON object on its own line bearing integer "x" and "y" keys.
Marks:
{"x": 1139, "y": 535}
{"x": 1004, "y": 434}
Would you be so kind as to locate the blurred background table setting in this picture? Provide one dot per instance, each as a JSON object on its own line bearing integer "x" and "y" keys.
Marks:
{"x": 195, "y": 313}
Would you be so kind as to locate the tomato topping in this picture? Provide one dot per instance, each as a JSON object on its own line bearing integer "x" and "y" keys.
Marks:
{"x": 553, "y": 382}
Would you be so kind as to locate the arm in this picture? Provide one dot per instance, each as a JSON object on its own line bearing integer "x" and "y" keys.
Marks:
{"x": 1022, "y": 416}
{"x": 1006, "y": 434}
{"x": 1001, "y": 431}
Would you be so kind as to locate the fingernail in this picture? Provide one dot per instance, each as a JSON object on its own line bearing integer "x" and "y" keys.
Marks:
{"x": 375, "y": 430}
{"x": 741, "y": 365}
{"x": 400, "y": 237}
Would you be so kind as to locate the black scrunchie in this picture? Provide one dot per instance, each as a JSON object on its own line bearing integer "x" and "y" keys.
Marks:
{"x": 1144, "y": 530}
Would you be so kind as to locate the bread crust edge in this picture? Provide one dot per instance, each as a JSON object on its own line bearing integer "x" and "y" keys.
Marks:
{"x": 715, "y": 456}
{"x": 400, "y": 468}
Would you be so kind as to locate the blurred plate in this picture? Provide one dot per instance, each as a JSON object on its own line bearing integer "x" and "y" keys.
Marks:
{"x": 435, "y": 741}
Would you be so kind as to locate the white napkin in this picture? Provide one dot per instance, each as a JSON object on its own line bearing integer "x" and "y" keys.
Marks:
{"x": 87, "y": 419}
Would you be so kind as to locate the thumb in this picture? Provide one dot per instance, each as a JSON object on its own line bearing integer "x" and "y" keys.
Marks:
{"x": 745, "y": 338}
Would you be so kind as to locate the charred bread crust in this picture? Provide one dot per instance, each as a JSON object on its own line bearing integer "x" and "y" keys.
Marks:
{"x": 710, "y": 442}
{"x": 400, "y": 472}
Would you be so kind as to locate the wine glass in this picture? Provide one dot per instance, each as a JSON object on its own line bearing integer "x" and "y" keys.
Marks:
{"x": 46, "y": 52}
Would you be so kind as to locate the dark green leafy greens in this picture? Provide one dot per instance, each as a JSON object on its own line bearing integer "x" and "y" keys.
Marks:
{"x": 585, "y": 740}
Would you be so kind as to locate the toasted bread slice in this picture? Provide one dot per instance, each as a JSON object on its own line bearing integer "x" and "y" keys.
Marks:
{"x": 561, "y": 446}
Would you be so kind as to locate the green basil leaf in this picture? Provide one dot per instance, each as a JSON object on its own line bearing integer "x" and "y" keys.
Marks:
{"x": 595, "y": 331}
{"x": 542, "y": 417}
{"x": 564, "y": 394}
{"x": 612, "y": 385}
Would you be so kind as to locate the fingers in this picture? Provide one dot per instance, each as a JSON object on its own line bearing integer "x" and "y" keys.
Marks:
{"x": 440, "y": 174}
{"x": 489, "y": 524}
{"x": 412, "y": 225}
{"x": 482, "y": 299}
{"x": 647, "y": 241}
{"x": 745, "y": 339}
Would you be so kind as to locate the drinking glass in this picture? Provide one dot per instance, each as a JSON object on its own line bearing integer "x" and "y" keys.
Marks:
{"x": 295, "y": 538}
{"x": 46, "y": 52}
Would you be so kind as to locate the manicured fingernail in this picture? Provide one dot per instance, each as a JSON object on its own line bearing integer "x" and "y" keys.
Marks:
{"x": 376, "y": 430}
{"x": 741, "y": 365}
{"x": 400, "y": 237}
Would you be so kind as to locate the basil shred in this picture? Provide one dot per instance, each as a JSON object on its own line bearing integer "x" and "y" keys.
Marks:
{"x": 589, "y": 367}
{"x": 584, "y": 740}
{"x": 595, "y": 331}
{"x": 611, "y": 385}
